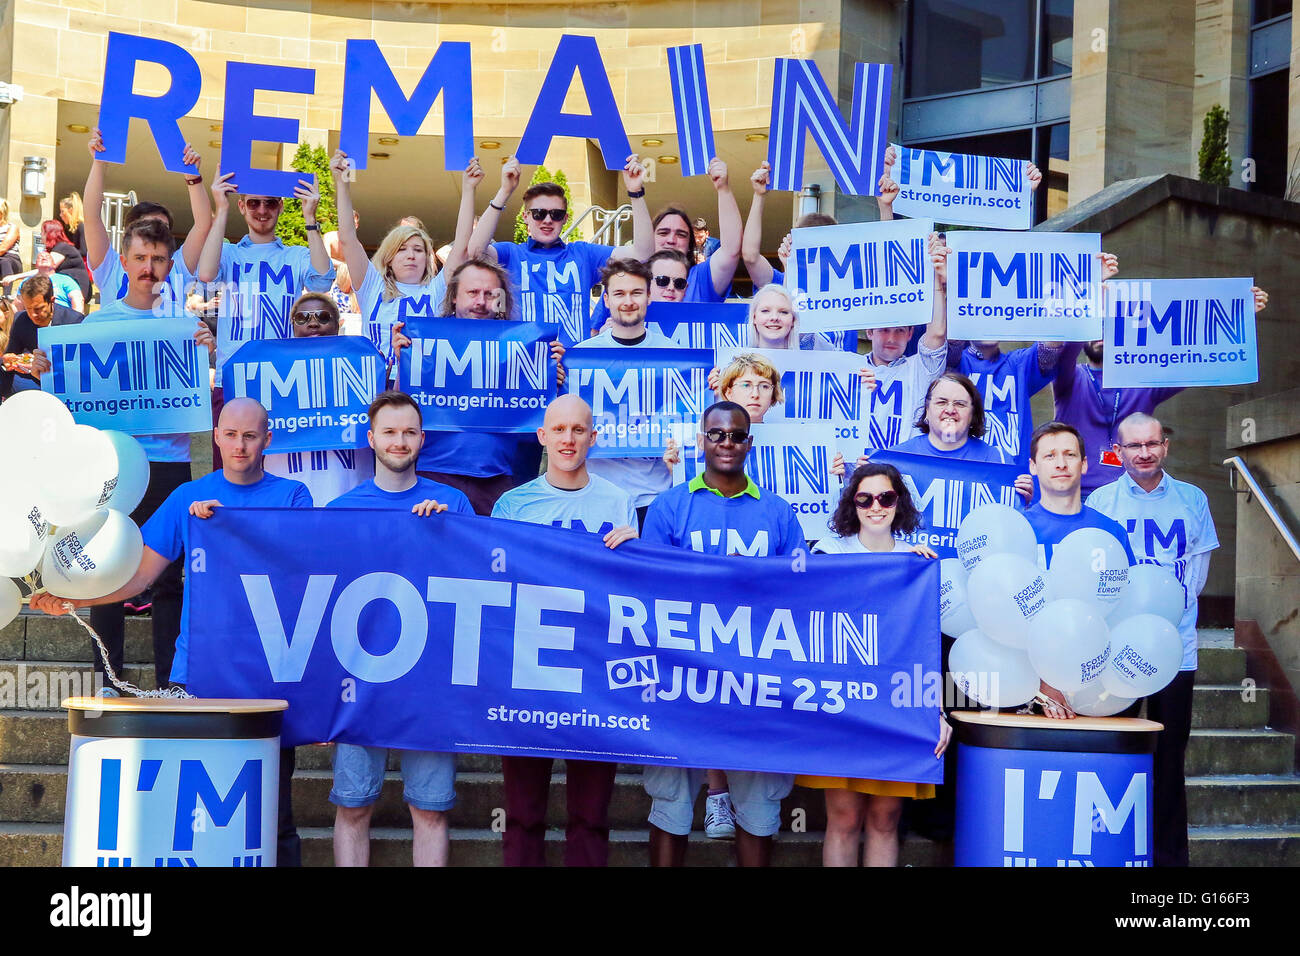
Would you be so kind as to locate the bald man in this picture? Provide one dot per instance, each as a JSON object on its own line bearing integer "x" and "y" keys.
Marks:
{"x": 566, "y": 496}
{"x": 242, "y": 434}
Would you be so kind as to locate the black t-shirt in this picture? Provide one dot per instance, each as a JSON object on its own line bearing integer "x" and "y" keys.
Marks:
{"x": 73, "y": 266}
{"x": 23, "y": 339}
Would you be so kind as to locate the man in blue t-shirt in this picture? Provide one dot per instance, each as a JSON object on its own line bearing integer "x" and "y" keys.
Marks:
{"x": 429, "y": 778}
{"x": 243, "y": 435}
{"x": 1058, "y": 459}
{"x": 566, "y": 496}
{"x": 720, "y": 511}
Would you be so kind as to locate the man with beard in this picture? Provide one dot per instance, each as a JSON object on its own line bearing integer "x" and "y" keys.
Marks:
{"x": 429, "y": 778}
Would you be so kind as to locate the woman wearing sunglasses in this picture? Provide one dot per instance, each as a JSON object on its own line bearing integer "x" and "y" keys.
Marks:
{"x": 327, "y": 474}
{"x": 873, "y": 511}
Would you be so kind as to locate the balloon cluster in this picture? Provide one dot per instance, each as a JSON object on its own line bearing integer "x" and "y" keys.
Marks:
{"x": 66, "y": 495}
{"x": 1103, "y": 633}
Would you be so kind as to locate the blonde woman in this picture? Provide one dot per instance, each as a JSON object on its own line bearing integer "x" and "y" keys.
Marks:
{"x": 73, "y": 215}
{"x": 10, "y": 261}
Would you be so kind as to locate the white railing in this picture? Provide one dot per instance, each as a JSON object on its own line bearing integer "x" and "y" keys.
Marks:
{"x": 1236, "y": 466}
{"x": 607, "y": 224}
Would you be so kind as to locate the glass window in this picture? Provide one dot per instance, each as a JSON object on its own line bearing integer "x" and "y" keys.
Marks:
{"x": 970, "y": 44}
{"x": 1058, "y": 37}
{"x": 1268, "y": 133}
{"x": 1262, "y": 10}
{"x": 1054, "y": 191}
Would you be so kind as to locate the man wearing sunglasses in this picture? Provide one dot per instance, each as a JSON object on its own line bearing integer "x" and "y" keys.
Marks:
{"x": 669, "y": 272}
{"x": 1169, "y": 524}
{"x": 720, "y": 511}
{"x": 554, "y": 278}
{"x": 261, "y": 277}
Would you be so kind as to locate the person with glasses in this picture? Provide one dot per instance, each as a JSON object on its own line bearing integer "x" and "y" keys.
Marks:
{"x": 260, "y": 276}
{"x": 553, "y": 278}
{"x": 326, "y": 473}
{"x": 874, "y": 512}
{"x": 720, "y": 511}
{"x": 1169, "y": 524}
{"x": 1058, "y": 458}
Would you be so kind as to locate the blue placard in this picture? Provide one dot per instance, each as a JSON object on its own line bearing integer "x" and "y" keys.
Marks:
{"x": 139, "y": 376}
{"x": 945, "y": 490}
{"x": 480, "y": 635}
{"x": 479, "y": 375}
{"x": 701, "y": 325}
{"x": 1170, "y": 333}
{"x": 637, "y": 395}
{"x": 691, "y": 107}
{"x": 964, "y": 190}
{"x": 316, "y": 391}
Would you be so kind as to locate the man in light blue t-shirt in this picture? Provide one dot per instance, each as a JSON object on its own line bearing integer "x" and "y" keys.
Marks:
{"x": 430, "y": 778}
{"x": 566, "y": 496}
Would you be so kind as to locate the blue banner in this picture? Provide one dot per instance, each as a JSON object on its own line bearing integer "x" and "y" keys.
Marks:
{"x": 701, "y": 325}
{"x": 316, "y": 391}
{"x": 1171, "y": 333}
{"x": 479, "y": 375}
{"x": 480, "y": 635}
{"x": 139, "y": 376}
{"x": 945, "y": 490}
{"x": 637, "y": 395}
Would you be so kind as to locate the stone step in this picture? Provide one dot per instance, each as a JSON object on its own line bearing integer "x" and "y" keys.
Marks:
{"x": 39, "y": 637}
{"x": 1244, "y": 799}
{"x": 1244, "y": 846}
{"x": 1218, "y": 660}
{"x": 1229, "y": 706}
{"x": 1250, "y": 751}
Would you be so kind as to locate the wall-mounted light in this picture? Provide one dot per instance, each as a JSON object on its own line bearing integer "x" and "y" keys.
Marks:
{"x": 378, "y": 155}
{"x": 489, "y": 144}
{"x": 666, "y": 160}
{"x": 652, "y": 142}
{"x": 810, "y": 199}
{"x": 34, "y": 177}
{"x": 755, "y": 137}
{"x": 388, "y": 141}
{"x": 78, "y": 128}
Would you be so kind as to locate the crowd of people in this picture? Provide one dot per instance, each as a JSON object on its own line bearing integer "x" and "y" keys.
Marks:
{"x": 1099, "y": 463}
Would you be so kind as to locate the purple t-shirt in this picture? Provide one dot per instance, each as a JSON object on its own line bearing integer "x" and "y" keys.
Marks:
{"x": 1097, "y": 411}
{"x": 973, "y": 450}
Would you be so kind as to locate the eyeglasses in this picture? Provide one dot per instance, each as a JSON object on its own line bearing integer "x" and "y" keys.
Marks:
{"x": 887, "y": 499}
{"x": 959, "y": 404}
{"x": 664, "y": 281}
{"x": 761, "y": 387}
{"x": 718, "y": 435}
{"x": 1134, "y": 447}
{"x": 257, "y": 202}
{"x": 302, "y": 318}
{"x": 557, "y": 215}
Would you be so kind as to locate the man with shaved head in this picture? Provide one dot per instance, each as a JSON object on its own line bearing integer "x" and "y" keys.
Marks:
{"x": 1168, "y": 523}
{"x": 566, "y": 496}
{"x": 242, "y": 435}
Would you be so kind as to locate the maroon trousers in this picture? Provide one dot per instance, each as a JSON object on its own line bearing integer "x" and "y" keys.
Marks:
{"x": 589, "y": 790}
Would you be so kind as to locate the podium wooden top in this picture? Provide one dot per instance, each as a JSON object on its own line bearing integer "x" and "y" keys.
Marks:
{"x": 991, "y": 718}
{"x": 175, "y": 705}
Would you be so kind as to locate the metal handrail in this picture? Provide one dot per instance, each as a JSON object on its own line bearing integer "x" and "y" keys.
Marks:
{"x": 606, "y": 221}
{"x": 1238, "y": 466}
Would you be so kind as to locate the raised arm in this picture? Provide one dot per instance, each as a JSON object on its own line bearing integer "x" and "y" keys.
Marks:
{"x": 936, "y": 333}
{"x": 642, "y": 246}
{"x": 469, "y": 181}
{"x": 751, "y": 241}
{"x": 354, "y": 253}
{"x": 888, "y": 188}
{"x": 200, "y": 208}
{"x": 723, "y": 262}
{"x": 97, "y": 245}
{"x": 480, "y": 242}
{"x": 210, "y": 257}
{"x": 308, "y": 194}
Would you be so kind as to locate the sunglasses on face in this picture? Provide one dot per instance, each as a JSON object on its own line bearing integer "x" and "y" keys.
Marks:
{"x": 719, "y": 435}
{"x": 259, "y": 203}
{"x": 664, "y": 281}
{"x": 303, "y": 318}
{"x": 887, "y": 499}
{"x": 557, "y": 215}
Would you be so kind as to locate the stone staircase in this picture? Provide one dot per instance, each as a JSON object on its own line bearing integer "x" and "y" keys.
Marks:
{"x": 1243, "y": 792}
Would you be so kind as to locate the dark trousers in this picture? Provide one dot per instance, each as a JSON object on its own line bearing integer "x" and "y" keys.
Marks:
{"x": 587, "y": 795}
{"x": 481, "y": 492}
{"x": 109, "y": 620}
{"x": 288, "y": 846}
{"x": 1173, "y": 708}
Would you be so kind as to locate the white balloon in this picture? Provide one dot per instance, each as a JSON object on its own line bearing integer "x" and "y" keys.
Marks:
{"x": 995, "y": 529}
{"x": 1145, "y": 652}
{"x": 22, "y": 539}
{"x": 1093, "y": 700}
{"x": 132, "y": 472}
{"x": 991, "y": 673}
{"x": 1151, "y": 589}
{"x": 28, "y": 410}
{"x": 92, "y": 558}
{"x": 75, "y": 475}
{"x": 1089, "y": 564}
{"x": 1069, "y": 643}
{"x": 11, "y": 601}
{"x": 1005, "y": 592}
{"x": 954, "y": 613}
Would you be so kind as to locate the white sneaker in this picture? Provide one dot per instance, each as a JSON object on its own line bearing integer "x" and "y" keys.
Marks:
{"x": 719, "y": 817}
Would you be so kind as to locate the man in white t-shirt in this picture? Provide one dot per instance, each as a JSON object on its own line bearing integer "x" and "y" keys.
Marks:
{"x": 1168, "y": 523}
{"x": 627, "y": 293}
{"x": 567, "y": 495}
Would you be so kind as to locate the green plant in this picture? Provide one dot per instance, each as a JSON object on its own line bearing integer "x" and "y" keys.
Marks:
{"x": 544, "y": 175}
{"x": 291, "y": 230}
{"x": 1214, "y": 165}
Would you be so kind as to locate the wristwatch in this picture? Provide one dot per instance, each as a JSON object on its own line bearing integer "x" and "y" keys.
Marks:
{"x": 636, "y": 195}
{"x": 314, "y": 227}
